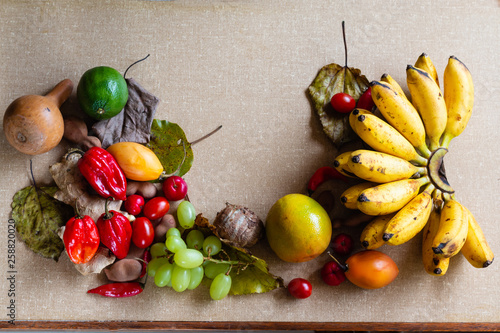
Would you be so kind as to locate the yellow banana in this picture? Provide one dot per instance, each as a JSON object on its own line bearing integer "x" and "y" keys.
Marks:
{"x": 383, "y": 137}
{"x": 390, "y": 197}
{"x": 476, "y": 249}
{"x": 400, "y": 114}
{"x": 410, "y": 220}
{"x": 452, "y": 231}
{"x": 394, "y": 84}
{"x": 340, "y": 163}
{"x": 429, "y": 102}
{"x": 424, "y": 62}
{"x": 432, "y": 264}
{"x": 350, "y": 196}
{"x": 459, "y": 98}
{"x": 371, "y": 236}
{"x": 379, "y": 167}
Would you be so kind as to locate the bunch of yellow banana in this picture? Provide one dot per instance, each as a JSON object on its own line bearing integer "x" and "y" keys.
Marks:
{"x": 405, "y": 185}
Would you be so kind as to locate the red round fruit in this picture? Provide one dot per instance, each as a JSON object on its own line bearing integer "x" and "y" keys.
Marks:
{"x": 143, "y": 232}
{"x": 342, "y": 244}
{"x": 332, "y": 274}
{"x": 133, "y": 204}
{"x": 300, "y": 288}
{"x": 156, "y": 208}
{"x": 175, "y": 188}
{"x": 343, "y": 103}
{"x": 366, "y": 101}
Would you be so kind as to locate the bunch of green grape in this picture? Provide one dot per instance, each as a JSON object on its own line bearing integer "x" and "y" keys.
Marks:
{"x": 182, "y": 264}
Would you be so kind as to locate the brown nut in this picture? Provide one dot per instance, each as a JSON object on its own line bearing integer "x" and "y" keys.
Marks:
{"x": 75, "y": 130}
{"x": 167, "y": 222}
{"x": 124, "y": 270}
{"x": 145, "y": 189}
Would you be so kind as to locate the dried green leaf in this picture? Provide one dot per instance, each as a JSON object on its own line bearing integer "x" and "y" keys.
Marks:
{"x": 168, "y": 141}
{"x": 253, "y": 278}
{"x": 37, "y": 217}
{"x": 331, "y": 80}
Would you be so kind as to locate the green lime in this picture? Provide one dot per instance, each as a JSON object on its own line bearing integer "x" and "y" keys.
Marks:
{"x": 102, "y": 92}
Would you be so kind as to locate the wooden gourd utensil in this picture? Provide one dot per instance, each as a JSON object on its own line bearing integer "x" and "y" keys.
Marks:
{"x": 33, "y": 124}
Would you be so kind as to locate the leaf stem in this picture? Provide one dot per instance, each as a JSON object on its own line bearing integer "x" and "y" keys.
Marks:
{"x": 206, "y": 135}
{"x": 31, "y": 172}
{"x": 124, "y": 74}
{"x": 345, "y": 52}
{"x": 345, "y": 43}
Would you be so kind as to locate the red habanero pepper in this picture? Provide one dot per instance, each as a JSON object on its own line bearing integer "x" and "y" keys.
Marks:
{"x": 118, "y": 289}
{"x": 146, "y": 258}
{"x": 81, "y": 238}
{"x": 103, "y": 173}
{"x": 115, "y": 231}
{"x": 321, "y": 175}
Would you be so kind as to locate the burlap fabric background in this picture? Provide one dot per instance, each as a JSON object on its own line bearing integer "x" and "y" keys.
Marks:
{"x": 246, "y": 65}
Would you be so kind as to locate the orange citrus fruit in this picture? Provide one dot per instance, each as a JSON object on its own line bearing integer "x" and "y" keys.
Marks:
{"x": 102, "y": 92}
{"x": 298, "y": 228}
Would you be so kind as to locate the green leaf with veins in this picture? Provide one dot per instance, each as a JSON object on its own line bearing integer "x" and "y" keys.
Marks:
{"x": 333, "y": 79}
{"x": 249, "y": 274}
{"x": 168, "y": 141}
{"x": 37, "y": 217}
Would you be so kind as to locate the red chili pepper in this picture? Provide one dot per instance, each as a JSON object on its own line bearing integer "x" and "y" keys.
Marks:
{"x": 81, "y": 239}
{"x": 146, "y": 258}
{"x": 103, "y": 173}
{"x": 118, "y": 289}
{"x": 115, "y": 231}
{"x": 321, "y": 175}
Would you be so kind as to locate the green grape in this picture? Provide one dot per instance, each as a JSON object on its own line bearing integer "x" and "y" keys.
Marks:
{"x": 212, "y": 269}
{"x": 158, "y": 249}
{"x": 188, "y": 258}
{"x": 211, "y": 245}
{"x": 173, "y": 232}
{"x": 196, "y": 277}
{"x": 154, "y": 264}
{"x": 220, "y": 286}
{"x": 175, "y": 243}
{"x": 186, "y": 214}
{"x": 180, "y": 278}
{"x": 194, "y": 239}
{"x": 163, "y": 274}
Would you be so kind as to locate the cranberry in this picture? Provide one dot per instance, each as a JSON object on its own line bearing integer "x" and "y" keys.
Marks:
{"x": 300, "y": 288}
{"x": 343, "y": 103}
{"x": 332, "y": 274}
{"x": 342, "y": 244}
{"x": 133, "y": 204}
{"x": 365, "y": 101}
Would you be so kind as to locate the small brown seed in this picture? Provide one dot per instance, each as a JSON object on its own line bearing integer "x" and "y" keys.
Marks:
{"x": 167, "y": 222}
{"x": 124, "y": 270}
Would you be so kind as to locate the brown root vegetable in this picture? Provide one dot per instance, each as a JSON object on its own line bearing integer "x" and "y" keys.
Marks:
{"x": 238, "y": 226}
{"x": 145, "y": 189}
{"x": 166, "y": 222}
{"x": 75, "y": 130}
{"x": 124, "y": 270}
{"x": 33, "y": 124}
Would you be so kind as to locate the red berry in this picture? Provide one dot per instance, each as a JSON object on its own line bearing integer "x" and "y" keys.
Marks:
{"x": 300, "y": 288}
{"x": 343, "y": 103}
{"x": 143, "y": 232}
{"x": 174, "y": 188}
{"x": 332, "y": 274}
{"x": 156, "y": 208}
{"x": 366, "y": 101}
{"x": 133, "y": 204}
{"x": 342, "y": 244}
